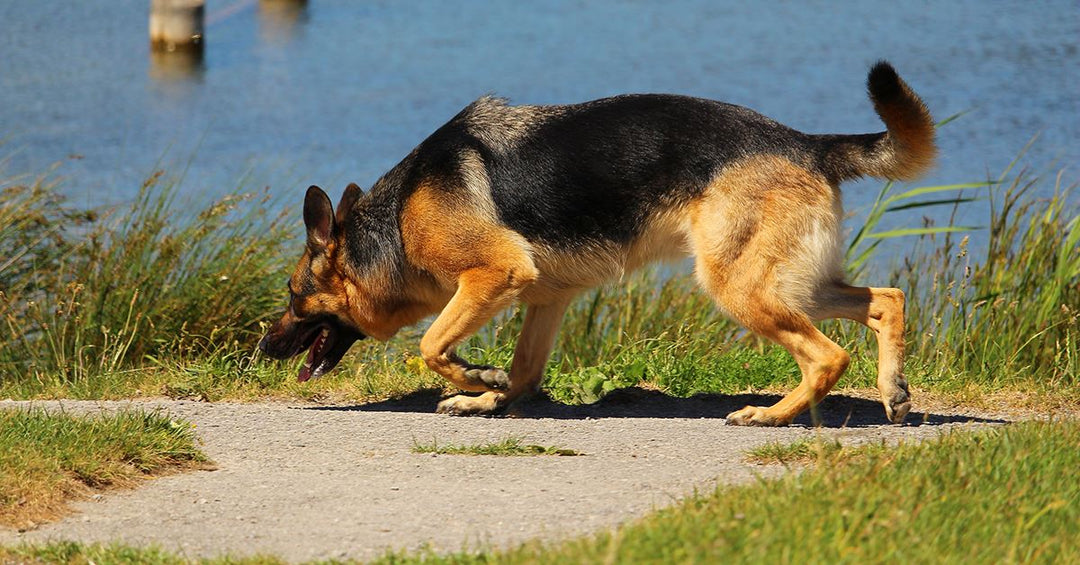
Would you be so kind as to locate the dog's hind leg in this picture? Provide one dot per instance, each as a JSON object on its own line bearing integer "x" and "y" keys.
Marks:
{"x": 820, "y": 360}
{"x": 751, "y": 289}
{"x": 881, "y": 310}
{"x": 765, "y": 235}
{"x": 531, "y": 354}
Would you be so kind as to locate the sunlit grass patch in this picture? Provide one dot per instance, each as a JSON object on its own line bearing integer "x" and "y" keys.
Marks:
{"x": 511, "y": 446}
{"x": 86, "y": 295}
{"x": 803, "y": 450}
{"x": 47, "y": 458}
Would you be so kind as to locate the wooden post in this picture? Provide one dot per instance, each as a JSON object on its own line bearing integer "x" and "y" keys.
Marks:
{"x": 279, "y": 19}
{"x": 177, "y": 25}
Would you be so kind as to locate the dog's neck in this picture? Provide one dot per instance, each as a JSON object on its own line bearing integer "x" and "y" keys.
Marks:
{"x": 371, "y": 236}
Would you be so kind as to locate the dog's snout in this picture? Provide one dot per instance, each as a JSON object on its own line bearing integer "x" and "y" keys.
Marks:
{"x": 264, "y": 344}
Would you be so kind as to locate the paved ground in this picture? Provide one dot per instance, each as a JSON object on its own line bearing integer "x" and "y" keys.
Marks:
{"x": 305, "y": 481}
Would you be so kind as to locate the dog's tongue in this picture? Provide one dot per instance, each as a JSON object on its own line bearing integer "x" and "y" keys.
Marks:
{"x": 309, "y": 363}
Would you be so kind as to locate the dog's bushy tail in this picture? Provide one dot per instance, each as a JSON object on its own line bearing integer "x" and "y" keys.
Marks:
{"x": 904, "y": 152}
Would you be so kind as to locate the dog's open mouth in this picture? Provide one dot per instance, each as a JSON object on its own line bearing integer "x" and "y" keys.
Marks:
{"x": 328, "y": 345}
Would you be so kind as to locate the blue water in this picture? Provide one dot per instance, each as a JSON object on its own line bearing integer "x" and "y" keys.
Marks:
{"x": 343, "y": 90}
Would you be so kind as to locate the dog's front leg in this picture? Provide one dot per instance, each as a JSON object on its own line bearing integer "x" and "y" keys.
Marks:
{"x": 531, "y": 354}
{"x": 481, "y": 293}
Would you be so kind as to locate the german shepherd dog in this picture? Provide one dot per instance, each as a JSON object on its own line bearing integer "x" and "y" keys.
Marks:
{"x": 536, "y": 204}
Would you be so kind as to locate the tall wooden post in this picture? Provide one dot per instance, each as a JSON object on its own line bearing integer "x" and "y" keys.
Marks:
{"x": 177, "y": 25}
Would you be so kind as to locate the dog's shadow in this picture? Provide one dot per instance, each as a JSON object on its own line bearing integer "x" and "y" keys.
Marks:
{"x": 836, "y": 411}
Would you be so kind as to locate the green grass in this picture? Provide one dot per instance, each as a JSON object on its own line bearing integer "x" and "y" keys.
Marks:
{"x": 509, "y": 447}
{"x": 805, "y": 450}
{"x": 48, "y": 457}
{"x": 1004, "y": 495}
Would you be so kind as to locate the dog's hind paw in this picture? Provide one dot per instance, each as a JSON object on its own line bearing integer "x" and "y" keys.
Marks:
{"x": 897, "y": 407}
{"x": 753, "y": 416}
{"x": 464, "y": 405}
{"x": 897, "y": 401}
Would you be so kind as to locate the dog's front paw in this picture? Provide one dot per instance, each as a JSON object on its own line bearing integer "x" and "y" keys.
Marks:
{"x": 754, "y": 416}
{"x": 491, "y": 377}
{"x": 463, "y": 405}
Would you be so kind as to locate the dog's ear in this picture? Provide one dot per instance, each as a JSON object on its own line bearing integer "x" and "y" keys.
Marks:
{"x": 318, "y": 218}
{"x": 348, "y": 199}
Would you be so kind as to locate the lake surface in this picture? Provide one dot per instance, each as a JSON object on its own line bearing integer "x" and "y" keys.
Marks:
{"x": 340, "y": 91}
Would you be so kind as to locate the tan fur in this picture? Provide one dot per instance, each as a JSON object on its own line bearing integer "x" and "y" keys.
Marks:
{"x": 881, "y": 310}
{"x": 766, "y": 239}
{"x": 664, "y": 238}
{"x": 369, "y": 302}
{"x": 767, "y": 216}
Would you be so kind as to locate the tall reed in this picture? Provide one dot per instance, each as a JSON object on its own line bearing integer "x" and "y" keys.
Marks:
{"x": 85, "y": 293}
{"x": 1011, "y": 314}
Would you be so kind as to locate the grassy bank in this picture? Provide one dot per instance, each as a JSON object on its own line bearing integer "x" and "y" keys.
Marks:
{"x": 152, "y": 300}
{"x": 49, "y": 458}
{"x": 1005, "y": 495}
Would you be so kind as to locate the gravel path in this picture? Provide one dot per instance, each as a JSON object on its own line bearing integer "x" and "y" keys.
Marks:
{"x": 306, "y": 481}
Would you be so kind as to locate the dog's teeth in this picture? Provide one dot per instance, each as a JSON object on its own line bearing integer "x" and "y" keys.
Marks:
{"x": 325, "y": 332}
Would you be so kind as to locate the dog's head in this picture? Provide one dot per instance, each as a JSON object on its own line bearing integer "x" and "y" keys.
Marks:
{"x": 320, "y": 318}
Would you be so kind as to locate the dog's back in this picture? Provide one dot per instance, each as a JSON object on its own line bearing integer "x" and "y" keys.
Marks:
{"x": 597, "y": 171}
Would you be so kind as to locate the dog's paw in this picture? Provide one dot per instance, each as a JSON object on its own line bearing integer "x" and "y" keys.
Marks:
{"x": 491, "y": 377}
{"x": 463, "y": 405}
{"x": 897, "y": 405}
{"x": 896, "y": 398}
{"x": 753, "y": 416}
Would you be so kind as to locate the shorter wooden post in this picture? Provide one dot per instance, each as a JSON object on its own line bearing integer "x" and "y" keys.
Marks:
{"x": 280, "y": 19}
